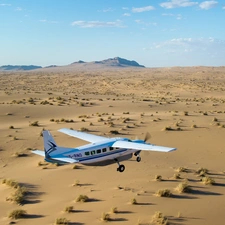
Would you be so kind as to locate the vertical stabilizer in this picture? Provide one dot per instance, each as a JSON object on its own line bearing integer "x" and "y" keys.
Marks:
{"x": 49, "y": 143}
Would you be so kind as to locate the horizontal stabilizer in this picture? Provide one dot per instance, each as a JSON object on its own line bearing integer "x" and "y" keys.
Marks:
{"x": 39, "y": 152}
{"x": 65, "y": 160}
{"x": 139, "y": 146}
{"x": 82, "y": 135}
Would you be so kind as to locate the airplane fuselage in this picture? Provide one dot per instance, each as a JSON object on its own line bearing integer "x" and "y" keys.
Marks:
{"x": 99, "y": 154}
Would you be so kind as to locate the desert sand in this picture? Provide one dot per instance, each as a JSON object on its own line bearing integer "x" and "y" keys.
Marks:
{"x": 179, "y": 107}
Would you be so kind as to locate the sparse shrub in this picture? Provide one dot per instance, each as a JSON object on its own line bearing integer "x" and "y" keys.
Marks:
{"x": 34, "y": 124}
{"x": 105, "y": 217}
{"x": 163, "y": 193}
{"x": 63, "y": 221}
{"x": 202, "y": 172}
{"x": 134, "y": 201}
{"x": 182, "y": 169}
{"x": 208, "y": 180}
{"x": 17, "y": 214}
{"x": 74, "y": 167}
{"x": 185, "y": 113}
{"x": 83, "y": 129}
{"x": 69, "y": 209}
{"x": 76, "y": 183}
{"x": 11, "y": 127}
{"x": 158, "y": 177}
{"x": 11, "y": 183}
{"x": 82, "y": 198}
{"x": 52, "y": 120}
{"x": 159, "y": 218}
{"x": 183, "y": 188}
{"x": 177, "y": 176}
{"x": 194, "y": 126}
{"x": 114, "y": 210}
{"x": 168, "y": 128}
{"x": 114, "y": 132}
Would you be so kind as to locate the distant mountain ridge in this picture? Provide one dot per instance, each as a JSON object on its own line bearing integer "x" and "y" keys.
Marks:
{"x": 19, "y": 67}
{"x": 116, "y": 62}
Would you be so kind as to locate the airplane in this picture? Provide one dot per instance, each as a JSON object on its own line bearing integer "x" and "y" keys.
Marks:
{"x": 100, "y": 151}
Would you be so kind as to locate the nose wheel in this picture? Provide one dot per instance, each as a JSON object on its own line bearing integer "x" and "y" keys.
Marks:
{"x": 121, "y": 167}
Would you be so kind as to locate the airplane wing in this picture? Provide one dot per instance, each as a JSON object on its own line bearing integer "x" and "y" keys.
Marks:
{"x": 84, "y": 136}
{"x": 139, "y": 146}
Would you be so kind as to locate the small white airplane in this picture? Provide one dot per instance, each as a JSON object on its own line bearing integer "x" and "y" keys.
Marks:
{"x": 101, "y": 150}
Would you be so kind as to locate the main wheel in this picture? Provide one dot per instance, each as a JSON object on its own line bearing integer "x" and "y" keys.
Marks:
{"x": 121, "y": 168}
{"x": 138, "y": 159}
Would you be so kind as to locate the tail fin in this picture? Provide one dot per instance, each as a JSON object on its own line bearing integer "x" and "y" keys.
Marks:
{"x": 49, "y": 143}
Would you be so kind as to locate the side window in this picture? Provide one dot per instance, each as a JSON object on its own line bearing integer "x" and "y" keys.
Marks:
{"x": 111, "y": 148}
{"x": 104, "y": 150}
{"x": 87, "y": 153}
{"x": 99, "y": 151}
{"x": 93, "y": 152}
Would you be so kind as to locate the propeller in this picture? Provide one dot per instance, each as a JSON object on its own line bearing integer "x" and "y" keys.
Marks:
{"x": 147, "y": 137}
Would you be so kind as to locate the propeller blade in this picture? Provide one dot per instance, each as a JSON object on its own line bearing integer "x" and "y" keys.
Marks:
{"x": 147, "y": 137}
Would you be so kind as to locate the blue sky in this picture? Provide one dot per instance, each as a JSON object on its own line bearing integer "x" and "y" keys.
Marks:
{"x": 160, "y": 33}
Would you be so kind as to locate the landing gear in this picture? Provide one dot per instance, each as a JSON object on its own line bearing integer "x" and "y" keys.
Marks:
{"x": 138, "y": 158}
{"x": 121, "y": 167}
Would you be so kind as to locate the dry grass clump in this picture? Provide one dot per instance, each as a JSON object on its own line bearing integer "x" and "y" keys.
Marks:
{"x": 114, "y": 132}
{"x": 202, "y": 172}
{"x": 84, "y": 129}
{"x": 134, "y": 201}
{"x": 82, "y": 198}
{"x": 208, "y": 181}
{"x": 114, "y": 210}
{"x": 182, "y": 169}
{"x": 158, "y": 177}
{"x": 34, "y": 124}
{"x": 177, "y": 176}
{"x": 183, "y": 188}
{"x": 17, "y": 214}
{"x": 164, "y": 193}
{"x": 62, "y": 221}
{"x": 69, "y": 209}
{"x": 11, "y": 183}
{"x": 18, "y": 196}
{"x": 159, "y": 218}
{"x": 105, "y": 217}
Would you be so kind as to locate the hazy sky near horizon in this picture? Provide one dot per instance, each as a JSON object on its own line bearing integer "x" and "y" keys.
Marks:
{"x": 154, "y": 33}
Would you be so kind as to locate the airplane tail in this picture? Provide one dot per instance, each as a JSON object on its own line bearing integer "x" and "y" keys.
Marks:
{"x": 49, "y": 143}
{"x": 54, "y": 153}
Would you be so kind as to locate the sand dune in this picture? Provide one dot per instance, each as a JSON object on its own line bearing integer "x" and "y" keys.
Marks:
{"x": 180, "y": 107}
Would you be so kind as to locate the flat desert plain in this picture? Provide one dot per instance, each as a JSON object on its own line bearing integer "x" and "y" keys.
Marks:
{"x": 179, "y": 107}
